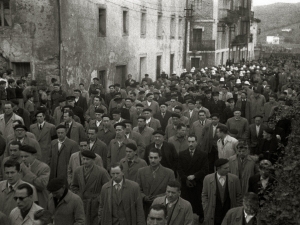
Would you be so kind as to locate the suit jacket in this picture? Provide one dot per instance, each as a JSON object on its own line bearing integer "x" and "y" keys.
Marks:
{"x": 137, "y": 137}
{"x": 183, "y": 211}
{"x": 90, "y": 113}
{"x": 68, "y": 211}
{"x": 82, "y": 103}
{"x": 196, "y": 165}
{"x": 209, "y": 140}
{"x": 252, "y": 136}
{"x": 154, "y": 124}
{"x": 100, "y": 148}
{"x": 216, "y": 107}
{"x": 154, "y": 106}
{"x": 169, "y": 155}
{"x": 38, "y": 175}
{"x": 59, "y": 160}
{"x": 209, "y": 195}
{"x": 7, "y": 128}
{"x": 163, "y": 120}
{"x": 25, "y": 115}
{"x": 235, "y": 216}
{"x": 77, "y": 132}
{"x": 131, "y": 200}
{"x": 17, "y": 219}
{"x": 44, "y": 137}
{"x": 197, "y": 129}
{"x": 75, "y": 162}
{"x": 192, "y": 118}
{"x": 130, "y": 172}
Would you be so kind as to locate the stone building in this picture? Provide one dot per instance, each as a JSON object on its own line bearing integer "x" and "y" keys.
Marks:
{"x": 91, "y": 38}
{"x": 219, "y": 30}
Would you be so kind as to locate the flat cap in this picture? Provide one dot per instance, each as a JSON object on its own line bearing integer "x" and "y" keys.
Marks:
{"x": 28, "y": 148}
{"x": 55, "y": 184}
{"x": 61, "y": 126}
{"x": 88, "y": 154}
{"x": 120, "y": 124}
{"x": 118, "y": 99}
{"x": 139, "y": 104}
{"x": 70, "y": 98}
{"x": 20, "y": 126}
{"x": 99, "y": 110}
{"x": 147, "y": 110}
{"x": 175, "y": 115}
{"x": 220, "y": 162}
{"x": 131, "y": 146}
{"x": 159, "y": 132}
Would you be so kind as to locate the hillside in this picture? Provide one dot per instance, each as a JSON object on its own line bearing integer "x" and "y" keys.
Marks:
{"x": 279, "y": 16}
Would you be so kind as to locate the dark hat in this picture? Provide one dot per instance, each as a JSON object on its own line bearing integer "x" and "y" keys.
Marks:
{"x": 116, "y": 111}
{"x": 178, "y": 107}
{"x": 141, "y": 92}
{"x": 258, "y": 116}
{"x": 127, "y": 121}
{"x": 95, "y": 78}
{"x": 230, "y": 100}
{"x": 131, "y": 146}
{"x": 99, "y": 110}
{"x": 269, "y": 130}
{"x": 130, "y": 99}
{"x": 139, "y": 104}
{"x": 208, "y": 91}
{"x": 27, "y": 148}
{"x": 163, "y": 103}
{"x": 147, "y": 110}
{"x": 40, "y": 111}
{"x": 120, "y": 124}
{"x": 215, "y": 93}
{"x": 220, "y": 162}
{"x": 159, "y": 132}
{"x": 236, "y": 109}
{"x": 191, "y": 101}
{"x": 112, "y": 85}
{"x": 146, "y": 75}
{"x": 150, "y": 93}
{"x": 118, "y": 100}
{"x": 18, "y": 126}
{"x": 56, "y": 85}
{"x": 175, "y": 115}
{"x": 88, "y": 154}
{"x": 71, "y": 98}
{"x": 2, "y": 82}
{"x": 94, "y": 92}
{"x": 77, "y": 90}
{"x": 62, "y": 99}
{"x": 55, "y": 184}
{"x": 61, "y": 126}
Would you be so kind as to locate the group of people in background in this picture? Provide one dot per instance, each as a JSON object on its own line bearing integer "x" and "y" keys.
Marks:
{"x": 196, "y": 147}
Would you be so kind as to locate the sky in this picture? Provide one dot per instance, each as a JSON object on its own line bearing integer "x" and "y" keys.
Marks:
{"x": 267, "y": 2}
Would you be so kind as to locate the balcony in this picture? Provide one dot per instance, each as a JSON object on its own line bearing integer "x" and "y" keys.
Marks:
{"x": 229, "y": 17}
{"x": 240, "y": 40}
{"x": 204, "y": 45}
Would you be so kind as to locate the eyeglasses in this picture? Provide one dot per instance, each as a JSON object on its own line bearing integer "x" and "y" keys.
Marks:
{"x": 20, "y": 198}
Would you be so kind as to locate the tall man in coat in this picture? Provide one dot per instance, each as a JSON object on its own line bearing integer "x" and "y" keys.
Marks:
{"x": 44, "y": 133}
{"x": 221, "y": 192}
{"x": 120, "y": 200}
{"x": 61, "y": 150}
{"x": 87, "y": 182}
{"x": 151, "y": 104}
{"x": 75, "y": 131}
{"x": 153, "y": 179}
{"x": 179, "y": 211}
{"x": 197, "y": 127}
{"x": 255, "y": 132}
{"x": 163, "y": 115}
{"x": 35, "y": 172}
{"x": 192, "y": 168}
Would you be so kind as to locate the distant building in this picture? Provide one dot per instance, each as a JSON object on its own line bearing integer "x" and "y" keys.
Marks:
{"x": 274, "y": 40}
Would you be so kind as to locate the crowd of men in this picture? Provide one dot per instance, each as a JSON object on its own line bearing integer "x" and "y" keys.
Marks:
{"x": 151, "y": 152}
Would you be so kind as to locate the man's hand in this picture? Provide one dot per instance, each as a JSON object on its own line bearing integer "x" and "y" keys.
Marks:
{"x": 191, "y": 177}
{"x": 24, "y": 168}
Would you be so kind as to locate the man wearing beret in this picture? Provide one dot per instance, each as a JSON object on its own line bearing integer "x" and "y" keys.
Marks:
{"x": 61, "y": 150}
{"x": 150, "y": 121}
{"x": 216, "y": 105}
{"x": 151, "y": 104}
{"x": 56, "y": 95}
{"x": 87, "y": 182}
{"x": 239, "y": 123}
{"x": 120, "y": 104}
{"x": 268, "y": 146}
{"x": 35, "y": 172}
{"x": 95, "y": 85}
{"x": 145, "y": 131}
{"x": 163, "y": 115}
{"x": 65, "y": 206}
{"x": 221, "y": 192}
{"x": 90, "y": 113}
{"x": 109, "y": 96}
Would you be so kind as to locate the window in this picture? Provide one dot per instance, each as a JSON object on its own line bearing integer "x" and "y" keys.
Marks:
{"x": 102, "y": 22}
{"x": 159, "y": 25}
{"x": 158, "y": 66}
{"x": 125, "y": 22}
{"x": 195, "y": 62}
{"x": 120, "y": 75}
{"x": 172, "y": 27}
{"x": 143, "y": 67}
{"x": 102, "y": 77}
{"x": 196, "y": 39}
{"x": 143, "y": 24}
{"x": 20, "y": 68}
{"x": 171, "y": 63}
{"x": 180, "y": 28}
{"x": 5, "y": 14}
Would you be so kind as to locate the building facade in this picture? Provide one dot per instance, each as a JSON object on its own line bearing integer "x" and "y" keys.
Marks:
{"x": 77, "y": 40}
{"x": 219, "y": 30}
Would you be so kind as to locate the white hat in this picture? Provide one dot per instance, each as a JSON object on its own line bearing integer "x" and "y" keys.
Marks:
{"x": 174, "y": 72}
{"x": 257, "y": 67}
{"x": 192, "y": 70}
{"x": 229, "y": 73}
{"x": 238, "y": 81}
{"x": 213, "y": 72}
{"x": 248, "y": 71}
{"x": 222, "y": 79}
{"x": 184, "y": 71}
{"x": 206, "y": 68}
{"x": 264, "y": 68}
{"x": 247, "y": 82}
{"x": 244, "y": 66}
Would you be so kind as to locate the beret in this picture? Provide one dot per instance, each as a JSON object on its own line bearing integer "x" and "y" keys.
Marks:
{"x": 230, "y": 100}
{"x": 236, "y": 109}
{"x": 61, "y": 126}
{"x": 142, "y": 117}
{"x": 147, "y": 95}
{"x": 178, "y": 107}
{"x": 55, "y": 184}
{"x": 127, "y": 121}
{"x": 120, "y": 124}
{"x": 118, "y": 99}
{"x": 94, "y": 92}
{"x": 40, "y": 111}
{"x": 88, "y": 154}
{"x": 142, "y": 92}
{"x": 147, "y": 110}
{"x": 220, "y": 162}
{"x": 70, "y": 98}
{"x": 95, "y": 78}
{"x": 131, "y": 146}
{"x": 27, "y": 148}
{"x": 258, "y": 116}
{"x": 130, "y": 99}
{"x": 163, "y": 103}
{"x": 77, "y": 90}
{"x": 191, "y": 101}
{"x": 139, "y": 104}
{"x": 159, "y": 132}
{"x": 215, "y": 93}
{"x": 117, "y": 94}
{"x": 175, "y": 115}
{"x": 111, "y": 86}
{"x": 56, "y": 85}
{"x": 99, "y": 110}
{"x": 116, "y": 111}
{"x": 20, "y": 126}
{"x": 62, "y": 100}
{"x": 215, "y": 115}
{"x": 269, "y": 130}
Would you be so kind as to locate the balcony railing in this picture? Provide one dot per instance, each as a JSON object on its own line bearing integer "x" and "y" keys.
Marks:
{"x": 240, "y": 40}
{"x": 205, "y": 45}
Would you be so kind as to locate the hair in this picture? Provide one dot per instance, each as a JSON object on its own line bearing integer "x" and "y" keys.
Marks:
{"x": 97, "y": 96}
{"x": 94, "y": 128}
{"x": 15, "y": 143}
{"x": 70, "y": 113}
{"x": 174, "y": 184}
{"x": 180, "y": 125}
{"x": 9, "y": 103}
{"x": 10, "y": 81}
{"x": 223, "y": 129}
{"x": 19, "y": 82}
{"x": 12, "y": 163}
{"x": 105, "y": 115}
{"x": 192, "y": 136}
{"x": 28, "y": 188}
{"x": 142, "y": 117}
{"x": 17, "y": 121}
{"x": 243, "y": 142}
{"x": 81, "y": 84}
{"x": 117, "y": 164}
{"x": 159, "y": 207}
{"x": 155, "y": 150}
{"x": 251, "y": 197}
{"x": 201, "y": 111}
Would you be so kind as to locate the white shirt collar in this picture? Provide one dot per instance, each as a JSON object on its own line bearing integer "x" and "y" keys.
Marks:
{"x": 247, "y": 215}
{"x": 61, "y": 141}
{"x": 43, "y": 123}
{"x": 148, "y": 120}
{"x": 115, "y": 183}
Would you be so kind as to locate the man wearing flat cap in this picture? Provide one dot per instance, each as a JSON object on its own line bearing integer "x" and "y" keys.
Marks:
{"x": 87, "y": 182}
{"x": 221, "y": 192}
{"x": 144, "y": 130}
{"x": 65, "y": 206}
{"x": 35, "y": 172}
{"x": 163, "y": 115}
{"x": 151, "y": 104}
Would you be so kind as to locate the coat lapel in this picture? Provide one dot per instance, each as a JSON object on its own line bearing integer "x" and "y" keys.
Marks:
{"x": 43, "y": 131}
{"x": 157, "y": 181}
{"x": 176, "y": 212}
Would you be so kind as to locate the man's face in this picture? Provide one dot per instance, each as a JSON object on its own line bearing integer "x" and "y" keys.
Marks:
{"x": 154, "y": 159}
{"x": 271, "y": 99}
{"x": 147, "y": 114}
{"x": 96, "y": 81}
{"x": 156, "y": 218}
{"x": 158, "y": 139}
{"x": 96, "y": 101}
{"x": 59, "y": 193}
{"x": 106, "y": 121}
{"x": 76, "y": 94}
{"x": 40, "y": 118}
{"x": 130, "y": 153}
{"x": 11, "y": 174}
{"x": 87, "y": 162}
{"x": 243, "y": 96}
{"x": 112, "y": 89}
{"x": 172, "y": 193}
{"x": 191, "y": 106}
{"x": 173, "y": 102}
{"x": 14, "y": 151}
{"x": 237, "y": 114}
{"x": 92, "y": 135}
{"x": 83, "y": 145}
{"x": 163, "y": 108}
{"x": 24, "y": 201}
{"x": 198, "y": 104}
{"x": 216, "y": 97}
{"x": 119, "y": 132}
{"x": 150, "y": 98}
{"x": 215, "y": 120}
{"x": 71, "y": 102}
{"x": 139, "y": 109}
{"x": 20, "y": 133}
{"x": 27, "y": 158}
{"x": 116, "y": 117}
{"x": 181, "y": 132}
{"x": 62, "y": 104}
{"x": 128, "y": 128}
{"x": 264, "y": 172}
{"x": 224, "y": 170}
{"x": 192, "y": 143}
{"x": 242, "y": 151}
{"x": 61, "y": 133}
{"x": 8, "y": 109}
{"x": 175, "y": 120}
{"x": 177, "y": 111}
{"x": 116, "y": 174}
{"x": 67, "y": 117}
{"x": 98, "y": 116}
{"x": 56, "y": 88}
{"x": 128, "y": 103}
{"x": 202, "y": 116}
{"x": 257, "y": 121}
{"x": 219, "y": 133}
{"x": 271, "y": 125}
{"x": 250, "y": 207}
{"x": 132, "y": 96}
{"x": 141, "y": 123}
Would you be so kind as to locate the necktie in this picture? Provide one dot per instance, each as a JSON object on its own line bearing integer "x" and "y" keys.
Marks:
{"x": 67, "y": 125}
{"x": 191, "y": 153}
{"x": 163, "y": 115}
{"x": 130, "y": 163}
{"x": 222, "y": 181}
{"x": 41, "y": 127}
{"x": 223, "y": 142}
{"x": 118, "y": 187}
{"x": 10, "y": 187}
